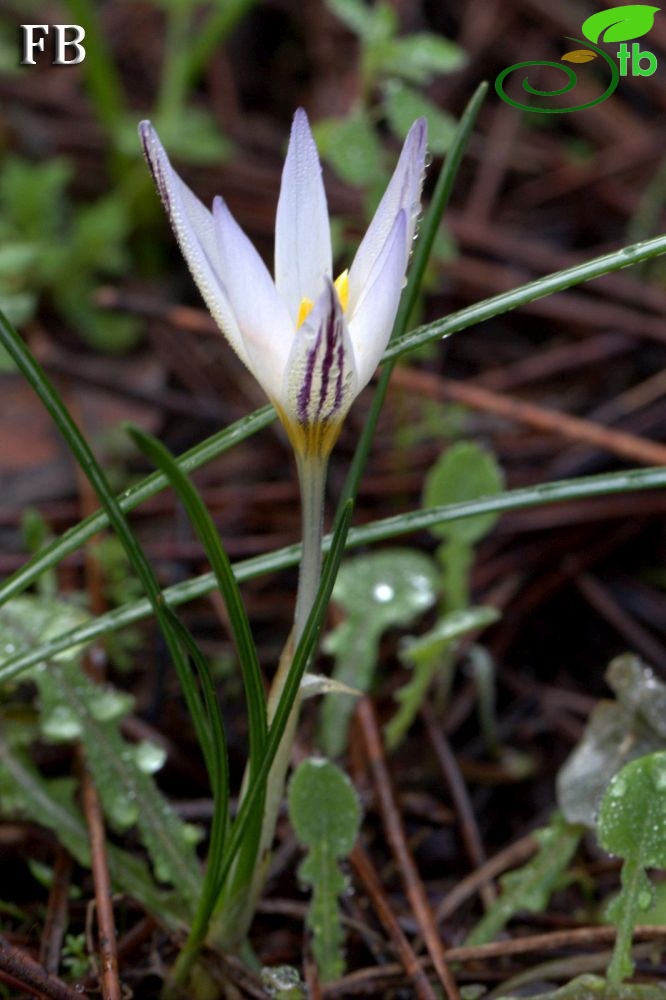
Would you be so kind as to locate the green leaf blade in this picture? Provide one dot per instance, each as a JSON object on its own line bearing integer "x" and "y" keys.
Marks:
{"x": 463, "y": 472}
{"x": 632, "y": 824}
{"x": 325, "y": 813}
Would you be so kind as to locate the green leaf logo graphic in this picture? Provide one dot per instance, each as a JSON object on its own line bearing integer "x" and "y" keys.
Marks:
{"x": 620, "y": 24}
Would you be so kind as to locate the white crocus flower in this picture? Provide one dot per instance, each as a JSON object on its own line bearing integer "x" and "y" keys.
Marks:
{"x": 311, "y": 343}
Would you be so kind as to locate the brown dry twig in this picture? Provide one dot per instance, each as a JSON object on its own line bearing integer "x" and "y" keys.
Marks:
{"x": 109, "y": 981}
{"x": 367, "y": 873}
{"x": 397, "y": 841}
{"x": 21, "y": 967}
{"x": 55, "y": 923}
{"x": 90, "y": 801}
{"x": 630, "y": 446}
{"x": 468, "y": 826}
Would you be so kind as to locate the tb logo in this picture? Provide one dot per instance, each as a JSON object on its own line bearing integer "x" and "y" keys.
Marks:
{"x": 67, "y": 37}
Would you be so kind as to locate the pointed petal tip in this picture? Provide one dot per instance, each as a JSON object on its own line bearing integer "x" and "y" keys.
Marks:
{"x": 148, "y": 135}
{"x": 146, "y": 132}
{"x": 300, "y": 127}
{"x": 302, "y": 231}
{"x": 157, "y": 160}
{"x": 222, "y": 214}
{"x": 418, "y": 135}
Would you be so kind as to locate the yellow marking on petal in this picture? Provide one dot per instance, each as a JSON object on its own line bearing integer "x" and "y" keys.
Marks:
{"x": 342, "y": 288}
{"x": 304, "y": 311}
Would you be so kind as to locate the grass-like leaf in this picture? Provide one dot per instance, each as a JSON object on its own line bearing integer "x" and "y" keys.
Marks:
{"x": 533, "y": 290}
{"x": 254, "y": 691}
{"x": 428, "y": 232}
{"x": 131, "y": 498}
{"x": 251, "y": 808}
{"x": 93, "y": 472}
{"x": 206, "y": 531}
{"x": 586, "y": 487}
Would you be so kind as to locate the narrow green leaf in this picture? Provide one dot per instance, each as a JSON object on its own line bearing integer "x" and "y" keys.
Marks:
{"x": 250, "y": 810}
{"x": 93, "y": 472}
{"x": 305, "y": 648}
{"x": 586, "y": 487}
{"x": 133, "y": 497}
{"x": 533, "y": 290}
{"x": 424, "y": 245}
{"x": 206, "y": 531}
{"x": 325, "y": 813}
{"x": 217, "y": 763}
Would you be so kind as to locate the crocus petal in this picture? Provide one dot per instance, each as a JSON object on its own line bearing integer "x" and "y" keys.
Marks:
{"x": 371, "y": 322}
{"x": 262, "y": 317}
{"x": 402, "y": 194}
{"x": 193, "y": 226}
{"x": 302, "y": 231}
{"x": 320, "y": 381}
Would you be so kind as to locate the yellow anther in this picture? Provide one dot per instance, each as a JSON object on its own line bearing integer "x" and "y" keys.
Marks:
{"x": 304, "y": 311}
{"x": 341, "y": 284}
{"x": 342, "y": 288}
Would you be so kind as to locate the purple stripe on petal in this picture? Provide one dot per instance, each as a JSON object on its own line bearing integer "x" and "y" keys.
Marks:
{"x": 321, "y": 369}
{"x": 330, "y": 341}
{"x": 305, "y": 391}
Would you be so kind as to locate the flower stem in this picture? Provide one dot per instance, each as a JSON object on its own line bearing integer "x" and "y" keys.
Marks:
{"x": 241, "y": 893}
{"x": 312, "y": 481}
